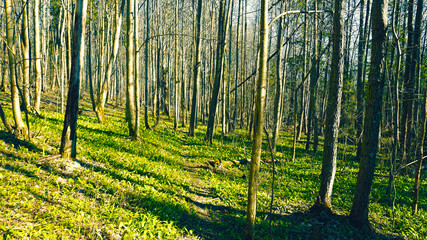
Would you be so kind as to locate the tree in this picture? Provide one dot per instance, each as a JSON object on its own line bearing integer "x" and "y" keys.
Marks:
{"x": 25, "y": 46}
{"x": 219, "y": 65}
{"x": 38, "y": 55}
{"x": 259, "y": 121}
{"x": 102, "y": 97}
{"x": 196, "y": 71}
{"x": 131, "y": 101}
{"x": 373, "y": 116}
{"x": 19, "y": 123}
{"x": 329, "y": 164}
{"x": 69, "y": 135}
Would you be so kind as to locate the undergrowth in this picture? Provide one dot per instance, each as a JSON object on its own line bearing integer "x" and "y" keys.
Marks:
{"x": 160, "y": 188}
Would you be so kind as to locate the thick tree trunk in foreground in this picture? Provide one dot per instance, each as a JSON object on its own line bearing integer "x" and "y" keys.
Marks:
{"x": 323, "y": 201}
{"x": 69, "y": 137}
{"x": 373, "y": 115}
{"x": 102, "y": 97}
{"x": 219, "y": 65}
{"x": 196, "y": 73}
{"x": 19, "y": 123}
{"x": 259, "y": 120}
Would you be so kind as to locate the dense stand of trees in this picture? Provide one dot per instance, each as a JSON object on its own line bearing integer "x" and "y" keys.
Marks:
{"x": 350, "y": 72}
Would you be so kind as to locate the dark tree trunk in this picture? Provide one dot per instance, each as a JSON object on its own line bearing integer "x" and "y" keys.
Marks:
{"x": 69, "y": 136}
{"x": 373, "y": 115}
{"x": 323, "y": 201}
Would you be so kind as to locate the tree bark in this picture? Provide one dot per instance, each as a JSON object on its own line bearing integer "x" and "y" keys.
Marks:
{"x": 38, "y": 55}
{"x": 323, "y": 201}
{"x": 219, "y": 65}
{"x": 69, "y": 136}
{"x": 259, "y": 121}
{"x": 130, "y": 79}
{"x": 102, "y": 97}
{"x": 19, "y": 123}
{"x": 196, "y": 70}
{"x": 25, "y": 46}
{"x": 373, "y": 115}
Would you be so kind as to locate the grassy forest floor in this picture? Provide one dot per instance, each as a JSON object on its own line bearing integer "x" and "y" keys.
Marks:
{"x": 171, "y": 186}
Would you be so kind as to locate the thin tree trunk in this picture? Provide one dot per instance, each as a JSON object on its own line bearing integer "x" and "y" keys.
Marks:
{"x": 38, "y": 55}
{"x": 219, "y": 65}
{"x": 69, "y": 136}
{"x": 147, "y": 37}
{"x": 323, "y": 201}
{"x": 196, "y": 69}
{"x": 25, "y": 45}
{"x": 259, "y": 121}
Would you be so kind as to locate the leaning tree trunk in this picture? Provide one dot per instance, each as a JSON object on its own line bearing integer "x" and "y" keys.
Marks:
{"x": 219, "y": 65}
{"x": 196, "y": 74}
{"x": 323, "y": 201}
{"x": 69, "y": 136}
{"x": 19, "y": 123}
{"x": 277, "y": 117}
{"x": 38, "y": 55}
{"x": 373, "y": 115}
{"x": 102, "y": 97}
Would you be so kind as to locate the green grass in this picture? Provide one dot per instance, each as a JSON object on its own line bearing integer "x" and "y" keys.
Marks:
{"x": 157, "y": 188}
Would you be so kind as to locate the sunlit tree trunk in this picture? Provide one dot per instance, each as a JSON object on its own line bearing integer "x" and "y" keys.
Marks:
{"x": 38, "y": 55}
{"x": 130, "y": 79}
{"x": 373, "y": 115}
{"x": 102, "y": 97}
{"x": 258, "y": 125}
{"x": 19, "y": 124}
{"x": 69, "y": 136}
{"x": 147, "y": 125}
{"x": 25, "y": 46}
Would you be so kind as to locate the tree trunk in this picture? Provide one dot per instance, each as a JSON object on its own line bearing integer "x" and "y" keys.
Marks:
{"x": 69, "y": 136}
{"x": 19, "y": 123}
{"x": 219, "y": 65}
{"x": 38, "y": 55}
{"x": 277, "y": 111}
{"x": 102, "y": 97}
{"x": 147, "y": 37}
{"x": 196, "y": 69}
{"x": 259, "y": 121}
{"x": 25, "y": 46}
{"x": 372, "y": 121}
{"x": 130, "y": 79}
{"x": 329, "y": 164}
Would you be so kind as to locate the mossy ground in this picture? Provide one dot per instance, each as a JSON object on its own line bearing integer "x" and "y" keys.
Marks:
{"x": 157, "y": 188}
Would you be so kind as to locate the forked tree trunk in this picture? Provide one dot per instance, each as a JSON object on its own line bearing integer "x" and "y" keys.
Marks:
{"x": 259, "y": 121}
{"x": 69, "y": 136}
{"x": 19, "y": 123}
{"x": 372, "y": 121}
{"x": 102, "y": 97}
